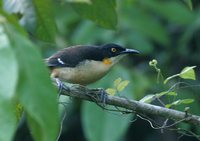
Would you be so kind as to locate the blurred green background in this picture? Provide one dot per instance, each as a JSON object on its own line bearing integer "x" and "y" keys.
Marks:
{"x": 167, "y": 31}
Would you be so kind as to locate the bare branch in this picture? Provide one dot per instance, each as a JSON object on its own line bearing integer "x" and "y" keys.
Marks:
{"x": 93, "y": 95}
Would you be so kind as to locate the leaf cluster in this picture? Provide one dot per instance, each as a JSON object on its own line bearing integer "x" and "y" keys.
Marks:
{"x": 28, "y": 27}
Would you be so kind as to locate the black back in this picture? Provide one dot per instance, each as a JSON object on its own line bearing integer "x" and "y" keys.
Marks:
{"x": 72, "y": 56}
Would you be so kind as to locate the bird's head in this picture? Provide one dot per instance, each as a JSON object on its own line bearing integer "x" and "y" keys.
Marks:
{"x": 112, "y": 53}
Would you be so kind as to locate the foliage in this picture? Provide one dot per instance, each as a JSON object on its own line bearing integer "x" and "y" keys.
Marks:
{"x": 165, "y": 30}
{"x": 93, "y": 10}
{"x": 119, "y": 86}
{"x": 178, "y": 102}
{"x": 21, "y": 66}
{"x": 186, "y": 73}
{"x": 102, "y": 125}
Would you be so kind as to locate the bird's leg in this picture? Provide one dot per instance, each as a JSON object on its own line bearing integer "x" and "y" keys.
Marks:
{"x": 60, "y": 86}
{"x": 103, "y": 97}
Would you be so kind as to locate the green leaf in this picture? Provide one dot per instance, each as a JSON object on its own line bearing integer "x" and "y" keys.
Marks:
{"x": 187, "y": 101}
{"x": 111, "y": 91}
{"x": 8, "y": 62}
{"x": 101, "y": 12}
{"x": 189, "y": 4}
{"x": 169, "y": 93}
{"x": 8, "y": 119}
{"x": 152, "y": 97}
{"x": 188, "y": 73}
{"x": 119, "y": 71}
{"x": 100, "y": 125}
{"x": 41, "y": 97}
{"x": 122, "y": 85}
{"x": 117, "y": 81}
{"x": 148, "y": 98}
{"x": 46, "y": 26}
{"x": 173, "y": 104}
{"x": 172, "y": 94}
{"x": 8, "y": 82}
{"x": 34, "y": 91}
{"x": 37, "y": 17}
{"x": 179, "y": 102}
{"x": 171, "y": 10}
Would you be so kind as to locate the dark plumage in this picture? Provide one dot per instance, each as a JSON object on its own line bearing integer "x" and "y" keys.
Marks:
{"x": 85, "y": 64}
{"x": 72, "y": 56}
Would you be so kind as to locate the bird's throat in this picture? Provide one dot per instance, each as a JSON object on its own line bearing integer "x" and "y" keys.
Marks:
{"x": 107, "y": 61}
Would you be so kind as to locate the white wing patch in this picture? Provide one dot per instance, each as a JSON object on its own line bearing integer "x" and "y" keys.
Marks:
{"x": 60, "y": 61}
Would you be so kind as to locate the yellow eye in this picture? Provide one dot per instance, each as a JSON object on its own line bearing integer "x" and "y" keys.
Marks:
{"x": 113, "y": 49}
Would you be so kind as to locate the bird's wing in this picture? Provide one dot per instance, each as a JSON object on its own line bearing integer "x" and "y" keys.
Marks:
{"x": 56, "y": 62}
{"x": 69, "y": 57}
{"x": 63, "y": 58}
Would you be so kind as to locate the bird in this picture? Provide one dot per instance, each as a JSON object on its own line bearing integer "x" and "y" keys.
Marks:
{"x": 85, "y": 64}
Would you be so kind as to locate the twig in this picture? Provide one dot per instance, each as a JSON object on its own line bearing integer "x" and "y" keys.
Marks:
{"x": 84, "y": 93}
{"x": 62, "y": 120}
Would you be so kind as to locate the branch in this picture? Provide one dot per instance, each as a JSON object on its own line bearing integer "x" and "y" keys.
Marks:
{"x": 93, "y": 95}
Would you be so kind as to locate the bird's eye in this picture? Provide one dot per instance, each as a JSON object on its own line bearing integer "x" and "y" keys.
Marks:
{"x": 113, "y": 49}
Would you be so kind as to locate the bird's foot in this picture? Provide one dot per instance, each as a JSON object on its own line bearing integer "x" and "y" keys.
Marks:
{"x": 60, "y": 86}
{"x": 103, "y": 97}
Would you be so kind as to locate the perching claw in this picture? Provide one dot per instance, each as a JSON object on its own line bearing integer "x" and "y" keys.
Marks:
{"x": 103, "y": 97}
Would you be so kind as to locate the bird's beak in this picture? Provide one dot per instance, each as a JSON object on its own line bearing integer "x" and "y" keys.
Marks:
{"x": 130, "y": 51}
